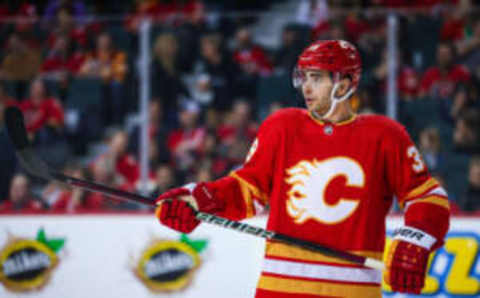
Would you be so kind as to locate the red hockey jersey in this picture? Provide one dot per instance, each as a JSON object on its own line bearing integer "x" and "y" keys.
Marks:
{"x": 332, "y": 184}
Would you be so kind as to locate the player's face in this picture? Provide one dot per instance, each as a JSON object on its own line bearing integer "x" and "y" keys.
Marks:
{"x": 316, "y": 89}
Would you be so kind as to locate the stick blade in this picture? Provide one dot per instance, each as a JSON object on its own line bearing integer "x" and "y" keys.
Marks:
{"x": 18, "y": 135}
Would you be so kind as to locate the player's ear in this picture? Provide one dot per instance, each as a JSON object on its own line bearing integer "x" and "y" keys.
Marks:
{"x": 344, "y": 86}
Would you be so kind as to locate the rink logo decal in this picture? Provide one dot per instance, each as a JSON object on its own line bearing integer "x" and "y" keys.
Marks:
{"x": 168, "y": 265}
{"x": 26, "y": 265}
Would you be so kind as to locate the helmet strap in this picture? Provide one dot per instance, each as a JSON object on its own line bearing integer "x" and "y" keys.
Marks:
{"x": 333, "y": 99}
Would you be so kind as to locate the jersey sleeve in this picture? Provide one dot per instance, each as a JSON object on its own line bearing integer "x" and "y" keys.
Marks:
{"x": 424, "y": 200}
{"x": 246, "y": 190}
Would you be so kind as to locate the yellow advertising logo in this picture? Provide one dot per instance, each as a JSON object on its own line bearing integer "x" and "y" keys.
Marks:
{"x": 26, "y": 265}
{"x": 167, "y": 265}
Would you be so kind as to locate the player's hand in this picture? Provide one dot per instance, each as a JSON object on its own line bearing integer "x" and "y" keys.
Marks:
{"x": 407, "y": 260}
{"x": 176, "y": 208}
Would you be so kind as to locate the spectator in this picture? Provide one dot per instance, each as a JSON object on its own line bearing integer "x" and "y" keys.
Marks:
{"x": 238, "y": 125}
{"x": 469, "y": 49}
{"x": 203, "y": 92}
{"x": 167, "y": 86}
{"x": 453, "y": 27}
{"x": 286, "y": 56}
{"x": 356, "y": 26}
{"x": 430, "y": 148}
{"x": 441, "y": 80}
{"x": 166, "y": 12}
{"x": 466, "y": 133}
{"x": 204, "y": 174}
{"x": 42, "y": 111}
{"x": 61, "y": 60}
{"x": 156, "y": 131}
{"x": 220, "y": 69}
{"x": 77, "y": 199}
{"x": 186, "y": 142}
{"x": 77, "y": 7}
{"x": 464, "y": 98}
{"x": 109, "y": 65}
{"x": 251, "y": 58}
{"x": 7, "y": 158}
{"x": 20, "y": 199}
{"x": 164, "y": 179}
{"x": 5, "y": 99}
{"x": 313, "y": 13}
{"x": 61, "y": 63}
{"x": 66, "y": 27}
{"x": 470, "y": 202}
{"x": 26, "y": 17}
{"x": 213, "y": 158}
{"x": 103, "y": 173}
{"x": 20, "y": 65}
{"x": 54, "y": 191}
{"x": 407, "y": 78}
{"x": 120, "y": 166}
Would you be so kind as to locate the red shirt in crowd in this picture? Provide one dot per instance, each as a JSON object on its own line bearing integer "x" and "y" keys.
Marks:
{"x": 126, "y": 166}
{"x": 193, "y": 139}
{"x": 437, "y": 84}
{"x": 409, "y": 3}
{"x": 453, "y": 29}
{"x": 226, "y": 133}
{"x": 37, "y": 115}
{"x": 408, "y": 82}
{"x": 253, "y": 60}
{"x": 92, "y": 202}
{"x": 355, "y": 27}
{"x": 29, "y": 206}
{"x": 58, "y": 63}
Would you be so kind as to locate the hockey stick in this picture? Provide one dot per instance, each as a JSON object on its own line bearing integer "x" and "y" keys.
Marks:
{"x": 36, "y": 167}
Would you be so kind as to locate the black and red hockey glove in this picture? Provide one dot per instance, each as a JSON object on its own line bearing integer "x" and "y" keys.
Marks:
{"x": 407, "y": 260}
{"x": 177, "y": 207}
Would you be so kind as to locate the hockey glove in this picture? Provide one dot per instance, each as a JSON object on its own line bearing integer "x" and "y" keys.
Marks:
{"x": 176, "y": 208}
{"x": 407, "y": 260}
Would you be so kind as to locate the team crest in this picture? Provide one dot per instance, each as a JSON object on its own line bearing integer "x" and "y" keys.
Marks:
{"x": 168, "y": 265}
{"x": 309, "y": 181}
{"x": 27, "y": 265}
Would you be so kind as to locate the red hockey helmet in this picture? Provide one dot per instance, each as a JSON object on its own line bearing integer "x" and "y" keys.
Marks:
{"x": 337, "y": 56}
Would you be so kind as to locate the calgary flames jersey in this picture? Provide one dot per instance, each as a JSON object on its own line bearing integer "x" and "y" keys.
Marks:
{"x": 332, "y": 184}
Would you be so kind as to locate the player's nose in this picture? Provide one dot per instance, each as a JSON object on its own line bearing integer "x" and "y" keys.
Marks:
{"x": 307, "y": 88}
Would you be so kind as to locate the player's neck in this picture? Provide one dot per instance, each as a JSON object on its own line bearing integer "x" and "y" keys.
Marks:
{"x": 342, "y": 112}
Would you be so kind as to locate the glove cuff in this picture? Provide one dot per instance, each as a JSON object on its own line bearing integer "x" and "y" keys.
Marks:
{"x": 414, "y": 236}
{"x": 205, "y": 200}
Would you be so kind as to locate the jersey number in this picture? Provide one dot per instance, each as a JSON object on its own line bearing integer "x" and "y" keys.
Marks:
{"x": 418, "y": 165}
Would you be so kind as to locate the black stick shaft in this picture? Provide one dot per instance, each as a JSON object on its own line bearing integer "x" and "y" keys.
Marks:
{"x": 212, "y": 219}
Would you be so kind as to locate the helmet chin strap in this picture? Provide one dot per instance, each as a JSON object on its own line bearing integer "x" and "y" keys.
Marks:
{"x": 334, "y": 100}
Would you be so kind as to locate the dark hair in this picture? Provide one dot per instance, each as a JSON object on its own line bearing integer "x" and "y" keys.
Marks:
{"x": 471, "y": 117}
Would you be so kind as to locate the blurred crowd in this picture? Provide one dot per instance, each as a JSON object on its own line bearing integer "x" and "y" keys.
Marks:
{"x": 71, "y": 67}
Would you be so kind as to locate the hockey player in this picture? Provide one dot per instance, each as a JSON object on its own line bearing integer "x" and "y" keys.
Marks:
{"x": 329, "y": 176}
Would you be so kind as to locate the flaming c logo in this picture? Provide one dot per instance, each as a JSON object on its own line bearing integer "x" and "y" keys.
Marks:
{"x": 309, "y": 181}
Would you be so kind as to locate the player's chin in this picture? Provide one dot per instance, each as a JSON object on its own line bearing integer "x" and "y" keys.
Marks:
{"x": 319, "y": 109}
